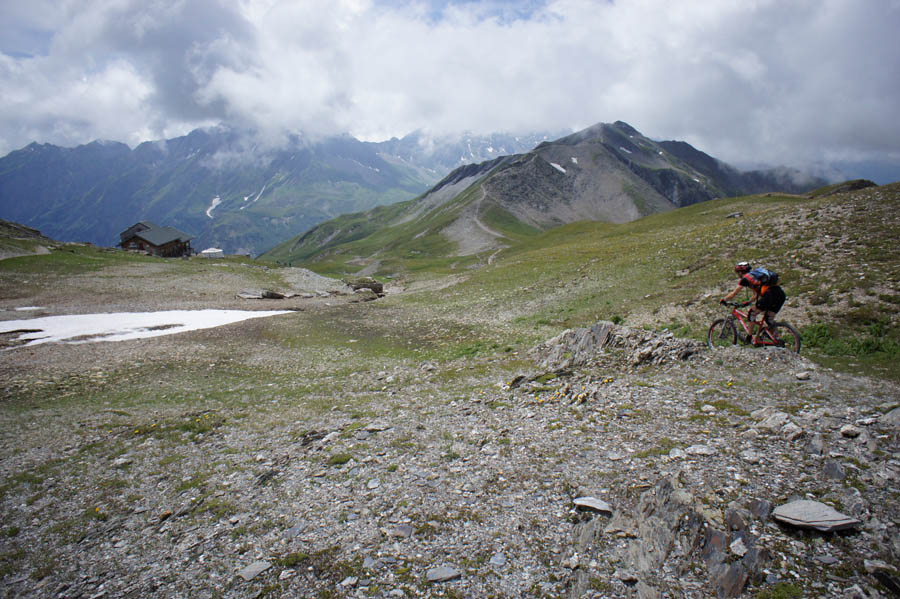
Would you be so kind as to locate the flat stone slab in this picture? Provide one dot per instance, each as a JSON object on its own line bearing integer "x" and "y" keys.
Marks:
{"x": 700, "y": 450}
{"x": 813, "y": 514}
{"x": 592, "y": 503}
{"x": 254, "y": 570}
{"x": 442, "y": 574}
{"x": 402, "y": 530}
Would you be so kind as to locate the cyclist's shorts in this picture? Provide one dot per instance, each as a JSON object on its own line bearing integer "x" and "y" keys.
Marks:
{"x": 772, "y": 300}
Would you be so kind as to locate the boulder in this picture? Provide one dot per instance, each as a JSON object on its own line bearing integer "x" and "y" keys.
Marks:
{"x": 892, "y": 418}
{"x": 834, "y": 470}
{"x": 366, "y": 283}
{"x": 364, "y": 295}
{"x": 592, "y": 503}
{"x": 773, "y": 422}
{"x": 260, "y": 294}
{"x": 850, "y": 431}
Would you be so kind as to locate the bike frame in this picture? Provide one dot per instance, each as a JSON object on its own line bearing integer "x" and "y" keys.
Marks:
{"x": 765, "y": 335}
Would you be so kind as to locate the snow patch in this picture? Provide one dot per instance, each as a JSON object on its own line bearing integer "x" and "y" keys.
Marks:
{"x": 29, "y": 308}
{"x": 574, "y": 160}
{"x": 259, "y": 195}
{"x": 558, "y": 167}
{"x": 626, "y": 150}
{"x": 123, "y": 326}
{"x": 215, "y": 202}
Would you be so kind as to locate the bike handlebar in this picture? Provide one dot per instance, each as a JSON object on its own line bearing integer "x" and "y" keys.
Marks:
{"x": 736, "y": 304}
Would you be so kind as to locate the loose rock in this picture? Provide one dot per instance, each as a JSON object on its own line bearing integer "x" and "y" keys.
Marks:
{"x": 442, "y": 574}
{"x": 253, "y": 570}
{"x": 815, "y": 515}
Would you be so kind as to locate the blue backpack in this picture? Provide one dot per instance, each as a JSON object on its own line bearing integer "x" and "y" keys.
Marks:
{"x": 764, "y": 276}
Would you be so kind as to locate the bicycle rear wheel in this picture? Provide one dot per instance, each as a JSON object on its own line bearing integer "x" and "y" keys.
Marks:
{"x": 721, "y": 333}
{"x": 787, "y": 335}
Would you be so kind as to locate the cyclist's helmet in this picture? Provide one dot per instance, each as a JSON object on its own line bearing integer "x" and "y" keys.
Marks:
{"x": 742, "y": 268}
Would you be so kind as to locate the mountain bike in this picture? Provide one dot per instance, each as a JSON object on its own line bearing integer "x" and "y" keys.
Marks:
{"x": 723, "y": 331}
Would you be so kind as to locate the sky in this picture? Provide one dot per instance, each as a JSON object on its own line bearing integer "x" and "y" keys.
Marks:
{"x": 796, "y": 83}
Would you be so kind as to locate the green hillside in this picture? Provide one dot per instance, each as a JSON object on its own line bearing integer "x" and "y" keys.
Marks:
{"x": 607, "y": 173}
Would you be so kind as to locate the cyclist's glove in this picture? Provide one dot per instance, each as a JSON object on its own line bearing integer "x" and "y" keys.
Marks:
{"x": 723, "y": 302}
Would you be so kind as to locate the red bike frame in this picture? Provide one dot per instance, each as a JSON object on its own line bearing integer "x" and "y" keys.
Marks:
{"x": 764, "y": 335}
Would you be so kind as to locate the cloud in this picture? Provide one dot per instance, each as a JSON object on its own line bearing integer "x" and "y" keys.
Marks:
{"x": 748, "y": 81}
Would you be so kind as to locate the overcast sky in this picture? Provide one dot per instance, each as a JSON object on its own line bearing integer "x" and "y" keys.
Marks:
{"x": 749, "y": 81}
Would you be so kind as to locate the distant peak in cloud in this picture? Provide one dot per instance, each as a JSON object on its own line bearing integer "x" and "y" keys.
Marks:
{"x": 779, "y": 82}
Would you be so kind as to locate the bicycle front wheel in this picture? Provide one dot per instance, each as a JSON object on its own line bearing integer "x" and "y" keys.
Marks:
{"x": 787, "y": 335}
{"x": 721, "y": 333}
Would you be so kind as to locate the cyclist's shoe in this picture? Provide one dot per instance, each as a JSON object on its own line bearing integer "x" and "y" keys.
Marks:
{"x": 744, "y": 337}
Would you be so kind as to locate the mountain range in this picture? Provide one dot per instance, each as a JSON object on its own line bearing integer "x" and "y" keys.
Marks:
{"x": 608, "y": 172}
{"x": 224, "y": 189}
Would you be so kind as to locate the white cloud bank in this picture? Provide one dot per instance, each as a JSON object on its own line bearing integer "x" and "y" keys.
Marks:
{"x": 123, "y": 326}
{"x": 745, "y": 80}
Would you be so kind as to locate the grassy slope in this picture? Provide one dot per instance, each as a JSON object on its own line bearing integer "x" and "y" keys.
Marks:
{"x": 835, "y": 255}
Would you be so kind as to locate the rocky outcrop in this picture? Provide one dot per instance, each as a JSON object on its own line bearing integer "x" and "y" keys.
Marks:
{"x": 366, "y": 283}
{"x": 669, "y": 533}
{"x": 577, "y": 347}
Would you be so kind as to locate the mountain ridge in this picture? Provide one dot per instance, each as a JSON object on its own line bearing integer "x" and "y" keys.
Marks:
{"x": 607, "y": 172}
{"x": 222, "y": 186}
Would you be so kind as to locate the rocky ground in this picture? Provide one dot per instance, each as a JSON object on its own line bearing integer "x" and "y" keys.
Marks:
{"x": 609, "y": 462}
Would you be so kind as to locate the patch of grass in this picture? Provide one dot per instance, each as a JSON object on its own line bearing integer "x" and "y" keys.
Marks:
{"x": 781, "y": 590}
{"x": 9, "y": 560}
{"x": 339, "y": 459}
{"x": 197, "y": 481}
{"x": 662, "y": 447}
{"x": 219, "y": 508}
{"x": 292, "y": 560}
{"x": 170, "y": 459}
{"x": 874, "y": 347}
{"x": 95, "y": 514}
{"x": 723, "y": 405}
{"x": 476, "y": 349}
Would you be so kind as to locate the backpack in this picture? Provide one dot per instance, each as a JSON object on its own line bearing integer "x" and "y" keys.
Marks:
{"x": 764, "y": 276}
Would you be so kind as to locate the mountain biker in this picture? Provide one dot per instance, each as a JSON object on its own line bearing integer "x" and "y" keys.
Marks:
{"x": 769, "y": 298}
{"x": 742, "y": 268}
